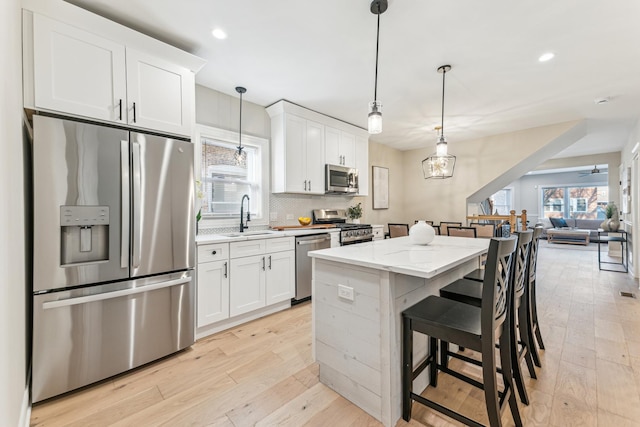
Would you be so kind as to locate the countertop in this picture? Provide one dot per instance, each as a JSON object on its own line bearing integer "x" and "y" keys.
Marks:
{"x": 398, "y": 255}
{"x": 259, "y": 234}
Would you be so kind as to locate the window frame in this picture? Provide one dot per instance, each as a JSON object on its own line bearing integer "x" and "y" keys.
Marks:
{"x": 232, "y": 137}
{"x": 566, "y": 206}
{"x": 510, "y": 196}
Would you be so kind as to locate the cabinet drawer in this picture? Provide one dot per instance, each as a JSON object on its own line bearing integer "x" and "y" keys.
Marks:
{"x": 247, "y": 248}
{"x": 213, "y": 252}
{"x": 281, "y": 244}
{"x": 378, "y": 233}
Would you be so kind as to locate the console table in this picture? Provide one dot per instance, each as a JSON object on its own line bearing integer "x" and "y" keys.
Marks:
{"x": 620, "y": 237}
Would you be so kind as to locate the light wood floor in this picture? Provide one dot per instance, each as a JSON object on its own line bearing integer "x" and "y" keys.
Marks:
{"x": 261, "y": 373}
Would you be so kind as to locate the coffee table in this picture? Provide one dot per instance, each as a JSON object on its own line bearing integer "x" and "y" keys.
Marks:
{"x": 573, "y": 236}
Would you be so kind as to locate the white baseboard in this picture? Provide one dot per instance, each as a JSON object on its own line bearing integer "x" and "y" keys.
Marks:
{"x": 25, "y": 411}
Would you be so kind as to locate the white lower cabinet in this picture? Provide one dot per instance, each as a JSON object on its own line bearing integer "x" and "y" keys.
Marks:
{"x": 261, "y": 280}
{"x": 213, "y": 292}
{"x": 239, "y": 277}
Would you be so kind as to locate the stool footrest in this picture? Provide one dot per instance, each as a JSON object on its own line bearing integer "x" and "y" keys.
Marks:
{"x": 443, "y": 409}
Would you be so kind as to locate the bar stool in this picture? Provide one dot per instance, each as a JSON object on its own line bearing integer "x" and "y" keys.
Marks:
{"x": 529, "y": 317}
{"x": 470, "y": 292}
{"x": 476, "y": 328}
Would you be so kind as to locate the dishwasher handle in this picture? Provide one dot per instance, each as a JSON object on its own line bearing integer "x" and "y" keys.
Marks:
{"x": 313, "y": 241}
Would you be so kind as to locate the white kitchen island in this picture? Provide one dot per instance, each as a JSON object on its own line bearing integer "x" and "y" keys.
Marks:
{"x": 359, "y": 293}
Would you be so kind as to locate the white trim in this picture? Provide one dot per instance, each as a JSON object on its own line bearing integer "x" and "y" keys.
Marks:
{"x": 25, "y": 410}
{"x": 223, "y": 325}
{"x": 232, "y": 137}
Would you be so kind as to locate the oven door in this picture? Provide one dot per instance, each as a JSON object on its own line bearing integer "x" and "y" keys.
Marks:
{"x": 340, "y": 179}
{"x": 353, "y": 242}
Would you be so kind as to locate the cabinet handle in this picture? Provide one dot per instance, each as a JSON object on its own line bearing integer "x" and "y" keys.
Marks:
{"x": 263, "y": 264}
{"x": 134, "y": 112}
{"x": 225, "y": 270}
{"x": 309, "y": 185}
{"x": 214, "y": 252}
{"x": 305, "y": 185}
{"x": 269, "y": 262}
{"x": 120, "y": 109}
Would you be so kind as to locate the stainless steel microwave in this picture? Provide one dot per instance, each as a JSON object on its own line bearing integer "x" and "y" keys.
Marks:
{"x": 341, "y": 180}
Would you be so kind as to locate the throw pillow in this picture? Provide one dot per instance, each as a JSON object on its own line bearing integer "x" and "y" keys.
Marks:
{"x": 558, "y": 222}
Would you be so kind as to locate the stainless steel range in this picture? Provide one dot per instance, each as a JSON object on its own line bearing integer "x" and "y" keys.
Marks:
{"x": 349, "y": 233}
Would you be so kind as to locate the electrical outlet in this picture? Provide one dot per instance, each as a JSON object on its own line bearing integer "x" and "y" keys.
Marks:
{"x": 345, "y": 292}
{"x": 273, "y": 216}
{"x": 289, "y": 216}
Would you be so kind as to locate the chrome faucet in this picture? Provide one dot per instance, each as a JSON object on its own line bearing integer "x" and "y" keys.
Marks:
{"x": 242, "y": 225}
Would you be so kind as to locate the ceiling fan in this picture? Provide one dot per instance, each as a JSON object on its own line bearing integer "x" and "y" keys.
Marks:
{"x": 593, "y": 171}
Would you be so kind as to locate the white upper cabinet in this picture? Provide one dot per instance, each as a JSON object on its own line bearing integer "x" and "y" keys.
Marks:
{"x": 303, "y": 141}
{"x": 78, "y": 72}
{"x": 158, "y": 95}
{"x": 340, "y": 147}
{"x": 80, "y": 64}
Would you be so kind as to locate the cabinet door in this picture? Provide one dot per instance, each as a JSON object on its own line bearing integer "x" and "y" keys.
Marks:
{"x": 295, "y": 140}
{"x": 362, "y": 164}
{"x": 280, "y": 277}
{"x": 78, "y": 72}
{"x": 315, "y": 158}
{"x": 348, "y": 149}
{"x": 332, "y": 146}
{"x": 213, "y": 292}
{"x": 159, "y": 94}
{"x": 247, "y": 288}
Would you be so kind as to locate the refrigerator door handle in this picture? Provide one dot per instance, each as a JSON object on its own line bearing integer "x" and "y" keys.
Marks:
{"x": 137, "y": 232}
{"x": 124, "y": 213}
{"x": 110, "y": 295}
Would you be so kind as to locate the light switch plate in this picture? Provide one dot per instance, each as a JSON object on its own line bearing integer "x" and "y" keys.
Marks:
{"x": 345, "y": 292}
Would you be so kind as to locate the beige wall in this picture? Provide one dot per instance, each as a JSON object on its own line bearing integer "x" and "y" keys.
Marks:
{"x": 385, "y": 156}
{"x": 13, "y": 288}
{"x": 483, "y": 165}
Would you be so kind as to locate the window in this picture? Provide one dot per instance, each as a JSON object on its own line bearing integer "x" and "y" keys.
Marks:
{"x": 224, "y": 179}
{"x": 574, "y": 202}
{"x": 502, "y": 201}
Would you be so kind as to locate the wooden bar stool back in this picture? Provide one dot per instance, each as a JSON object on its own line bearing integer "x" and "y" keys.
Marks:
{"x": 470, "y": 292}
{"x": 445, "y": 224}
{"x": 477, "y": 328}
{"x": 461, "y": 231}
{"x": 398, "y": 230}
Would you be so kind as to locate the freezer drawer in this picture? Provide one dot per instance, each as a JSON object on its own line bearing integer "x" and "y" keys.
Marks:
{"x": 85, "y": 335}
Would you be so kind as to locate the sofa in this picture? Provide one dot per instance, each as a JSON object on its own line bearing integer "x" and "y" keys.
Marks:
{"x": 585, "y": 224}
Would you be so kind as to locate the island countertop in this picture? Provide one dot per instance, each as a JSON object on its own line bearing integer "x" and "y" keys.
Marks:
{"x": 399, "y": 255}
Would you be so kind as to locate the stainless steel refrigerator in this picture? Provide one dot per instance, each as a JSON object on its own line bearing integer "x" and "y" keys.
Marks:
{"x": 113, "y": 252}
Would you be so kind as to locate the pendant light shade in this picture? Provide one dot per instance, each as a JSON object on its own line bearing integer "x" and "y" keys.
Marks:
{"x": 378, "y": 7}
{"x": 441, "y": 164}
{"x": 240, "y": 154}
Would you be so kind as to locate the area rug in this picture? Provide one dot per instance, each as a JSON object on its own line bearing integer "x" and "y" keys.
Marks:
{"x": 563, "y": 246}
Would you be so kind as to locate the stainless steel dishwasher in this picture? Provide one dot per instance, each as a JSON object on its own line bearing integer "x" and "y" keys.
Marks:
{"x": 304, "y": 244}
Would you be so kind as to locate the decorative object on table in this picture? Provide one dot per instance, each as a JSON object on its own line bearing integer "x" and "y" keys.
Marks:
{"x": 240, "y": 154}
{"x": 421, "y": 233}
{"x": 441, "y": 164}
{"x": 304, "y": 220}
{"x": 380, "y": 187}
{"x": 614, "y": 216}
{"x": 378, "y": 7}
{"x": 355, "y": 213}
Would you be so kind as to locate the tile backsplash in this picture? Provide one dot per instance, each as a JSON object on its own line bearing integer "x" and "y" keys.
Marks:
{"x": 281, "y": 205}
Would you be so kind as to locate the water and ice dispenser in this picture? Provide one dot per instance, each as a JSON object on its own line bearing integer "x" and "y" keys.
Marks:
{"x": 84, "y": 234}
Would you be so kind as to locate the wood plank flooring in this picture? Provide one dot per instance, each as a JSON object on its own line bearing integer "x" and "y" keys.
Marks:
{"x": 261, "y": 373}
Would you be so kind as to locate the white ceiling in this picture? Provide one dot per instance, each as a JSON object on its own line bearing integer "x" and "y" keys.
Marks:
{"x": 322, "y": 56}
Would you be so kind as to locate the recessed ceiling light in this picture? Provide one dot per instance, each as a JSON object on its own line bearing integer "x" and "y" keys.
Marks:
{"x": 219, "y": 34}
{"x": 546, "y": 56}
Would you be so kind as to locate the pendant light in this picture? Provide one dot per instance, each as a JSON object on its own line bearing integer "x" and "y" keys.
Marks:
{"x": 378, "y": 7}
{"x": 441, "y": 164}
{"x": 240, "y": 154}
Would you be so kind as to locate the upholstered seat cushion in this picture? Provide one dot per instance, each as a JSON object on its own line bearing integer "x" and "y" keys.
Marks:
{"x": 559, "y": 222}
